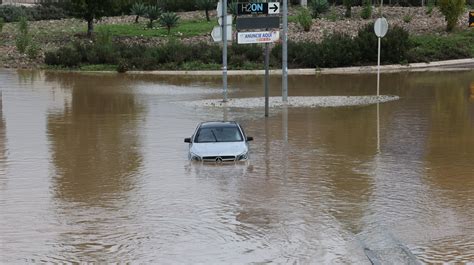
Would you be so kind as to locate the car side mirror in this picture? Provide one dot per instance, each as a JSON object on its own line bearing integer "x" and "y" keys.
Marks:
{"x": 187, "y": 140}
{"x": 249, "y": 138}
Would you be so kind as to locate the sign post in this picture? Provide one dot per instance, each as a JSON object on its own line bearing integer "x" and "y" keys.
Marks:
{"x": 224, "y": 48}
{"x": 267, "y": 23}
{"x": 380, "y": 28}
{"x": 267, "y": 63}
{"x": 284, "y": 53}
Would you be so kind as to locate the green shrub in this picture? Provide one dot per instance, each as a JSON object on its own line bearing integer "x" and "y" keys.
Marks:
{"x": 304, "y": 18}
{"x": 177, "y": 5}
{"x": 300, "y": 55}
{"x": 12, "y": 13}
{"x": 2, "y": 23}
{"x": 319, "y": 7}
{"x": 452, "y": 10}
{"x": 22, "y": 42}
{"x": 239, "y": 54}
{"x": 339, "y": 50}
{"x": 64, "y": 56}
{"x": 172, "y": 51}
{"x": 366, "y": 11}
{"x": 169, "y": 20}
{"x": 46, "y": 13}
{"x": 23, "y": 38}
{"x": 395, "y": 45}
{"x": 435, "y": 48}
{"x": 429, "y": 7}
{"x": 102, "y": 51}
{"x": 122, "y": 66}
{"x": 82, "y": 48}
{"x": 367, "y": 43}
{"x": 206, "y": 53}
{"x": 348, "y": 5}
{"x": 407, "y": 18}
{"x": 33, "y": 50}
{"x": 130, "y": 52}
{"x": 332, "y": 16}
{"x": 305, "y": 54}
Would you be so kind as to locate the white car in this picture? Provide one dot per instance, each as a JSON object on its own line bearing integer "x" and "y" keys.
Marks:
{"x": 218, "y": 142}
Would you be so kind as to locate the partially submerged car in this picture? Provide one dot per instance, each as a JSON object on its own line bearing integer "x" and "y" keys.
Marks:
{"x": 218, "y": 142}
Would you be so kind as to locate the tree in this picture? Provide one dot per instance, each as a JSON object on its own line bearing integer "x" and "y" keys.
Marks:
{"x": 152, "y": 13}
{"x": 206, "y": 5}
{"x": 319, "y": 7}
{"x": 452, "y": 10}
{"x": 138, "y": 9}
{"x": 169, "y": 20}
{"x": 91, "y": 10}
{"x": 348, "y": 5}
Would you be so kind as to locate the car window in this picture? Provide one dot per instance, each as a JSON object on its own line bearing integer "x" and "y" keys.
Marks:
{"x": 218, "y": 134}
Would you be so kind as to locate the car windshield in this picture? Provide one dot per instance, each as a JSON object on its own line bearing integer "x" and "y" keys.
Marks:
{"x": 218, "y": 134}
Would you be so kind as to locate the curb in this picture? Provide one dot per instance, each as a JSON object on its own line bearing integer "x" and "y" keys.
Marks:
{"x": 451, "y": 65}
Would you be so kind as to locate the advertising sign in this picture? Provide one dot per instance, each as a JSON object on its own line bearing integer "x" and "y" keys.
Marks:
{"x": 258, "y": 37}
{"x": 258, "y": 8}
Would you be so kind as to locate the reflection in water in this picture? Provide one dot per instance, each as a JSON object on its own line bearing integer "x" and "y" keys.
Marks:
{"x": 95, "y": 142}
{"x": 95, "y": 148}
{"x": 449, "y": 160}
{"x": 3, "y": 145}
{"x": 114, "y": 183}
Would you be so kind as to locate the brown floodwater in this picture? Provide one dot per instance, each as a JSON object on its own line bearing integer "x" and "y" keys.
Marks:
{"x": 93, "y": 168}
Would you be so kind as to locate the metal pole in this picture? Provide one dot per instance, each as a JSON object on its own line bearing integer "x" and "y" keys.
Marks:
{"x": 378, "y": 127}
{"x": 378, "y": 68}
{"x": 284, "y": 64}
{"x": 381, "y": 5}
{"x": 224, "y": 48}
{"x": 267, "y": 63}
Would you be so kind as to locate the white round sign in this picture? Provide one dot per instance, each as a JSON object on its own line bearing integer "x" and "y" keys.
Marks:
{"x": 381, "y": 27}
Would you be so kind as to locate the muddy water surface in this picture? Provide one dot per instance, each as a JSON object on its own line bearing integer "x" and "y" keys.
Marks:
{"x": 93, "y": 168}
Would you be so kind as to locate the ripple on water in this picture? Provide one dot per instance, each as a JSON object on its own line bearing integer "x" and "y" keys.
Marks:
{"x": 446, "y": 250}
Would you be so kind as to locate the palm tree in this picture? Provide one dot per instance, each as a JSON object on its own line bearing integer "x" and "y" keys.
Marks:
{"x": 138, "y": 9}
{"x": 152, "y": 13}
{"x": 169, "y": 20}
{"x": 206, "y": 5}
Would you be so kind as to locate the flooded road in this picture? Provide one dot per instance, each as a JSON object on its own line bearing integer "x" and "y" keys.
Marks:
{"x": 93, "y": 168}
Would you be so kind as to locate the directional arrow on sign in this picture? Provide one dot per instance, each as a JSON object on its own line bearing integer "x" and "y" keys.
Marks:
{"x": 258, "y": 8}
{"x": 274, "y": 8}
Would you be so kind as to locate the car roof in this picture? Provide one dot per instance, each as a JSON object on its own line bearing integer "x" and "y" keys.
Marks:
{"x": 217, "y": 124}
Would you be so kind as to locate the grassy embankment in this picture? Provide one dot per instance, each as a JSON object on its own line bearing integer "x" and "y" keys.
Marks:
{"x": 423, "y": 48}
{"x": 185, "y": 29}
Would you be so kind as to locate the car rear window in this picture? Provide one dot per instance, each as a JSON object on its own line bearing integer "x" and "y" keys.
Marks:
{"x": 218, "y": 134}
